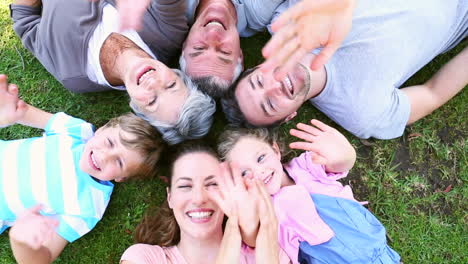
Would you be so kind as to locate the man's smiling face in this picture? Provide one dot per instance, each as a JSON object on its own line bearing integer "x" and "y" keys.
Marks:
{"x": 212, "y": 47}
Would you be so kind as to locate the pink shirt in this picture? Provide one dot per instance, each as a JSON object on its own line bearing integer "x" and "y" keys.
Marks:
{"x": 297, "y": 217}
{"x": 150, "y": 254}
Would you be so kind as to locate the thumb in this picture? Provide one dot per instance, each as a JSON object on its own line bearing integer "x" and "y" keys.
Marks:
{"x": 319, "y": 159}
{"x": 324, "y": 56}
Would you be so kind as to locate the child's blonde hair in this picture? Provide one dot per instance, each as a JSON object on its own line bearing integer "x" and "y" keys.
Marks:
{"x": 147, "y": 141}
{"x": 229, "y": 138}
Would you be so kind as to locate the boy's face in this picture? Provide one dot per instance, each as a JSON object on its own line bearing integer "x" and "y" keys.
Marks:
{"x": 106, "y": 158}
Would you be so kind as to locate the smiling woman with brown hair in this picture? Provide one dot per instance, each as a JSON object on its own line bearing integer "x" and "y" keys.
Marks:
{"x": 188, "y": 227}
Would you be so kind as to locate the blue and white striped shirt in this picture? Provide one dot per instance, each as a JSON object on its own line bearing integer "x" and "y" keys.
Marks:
{"x": 46, "y": 170}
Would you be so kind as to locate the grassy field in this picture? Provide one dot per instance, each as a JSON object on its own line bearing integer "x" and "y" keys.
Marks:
{"x": 416, "y": 184}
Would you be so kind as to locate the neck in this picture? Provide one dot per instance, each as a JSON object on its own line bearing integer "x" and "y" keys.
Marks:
{"x": 204, "y": 4}
{"x": 317, "y": 79}
{"x": 116, "y": 51}
{"x": 195, "y": 250}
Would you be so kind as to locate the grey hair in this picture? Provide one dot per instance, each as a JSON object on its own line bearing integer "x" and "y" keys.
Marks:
{"x": 213, "y": 85}
{"x": 195, "y": 118}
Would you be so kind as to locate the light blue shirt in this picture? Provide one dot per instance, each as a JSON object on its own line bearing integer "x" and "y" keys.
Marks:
{"x": 45, "y": 170}
{"x": 252, "y": 15}
{"x": 389, "y": 41}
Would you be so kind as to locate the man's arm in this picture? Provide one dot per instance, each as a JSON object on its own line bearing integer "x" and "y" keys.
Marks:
{"x": 444, "y": 85}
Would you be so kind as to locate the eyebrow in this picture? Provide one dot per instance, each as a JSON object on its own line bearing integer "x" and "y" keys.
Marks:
{"x": 209, "y": 177}
{"x": 225, "y": 61}
{"x": 184, "y": 178}
{"x": 262, "y": 105}
{"x": 195, "y": 54}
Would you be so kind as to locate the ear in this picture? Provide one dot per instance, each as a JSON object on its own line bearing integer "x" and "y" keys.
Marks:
{"x": 168, "y": 191}
{"x": 290, "y": 116}
{"x": 120, "y": 179}
{"x": 276, "y": 149}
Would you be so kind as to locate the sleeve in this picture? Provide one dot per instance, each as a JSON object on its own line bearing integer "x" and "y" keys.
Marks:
{"x": 26, "y": 21}
{"x": 73, "y": 227}
{"x": 279, "y": 10}
{"x": 166, "y": 22}
{"x": 144, "y": 254}
{"x": 315, "y": 172}
{"x": 62, "y": 123}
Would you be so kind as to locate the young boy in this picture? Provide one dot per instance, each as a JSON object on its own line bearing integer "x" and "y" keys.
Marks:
{"x": 64, "y": 176}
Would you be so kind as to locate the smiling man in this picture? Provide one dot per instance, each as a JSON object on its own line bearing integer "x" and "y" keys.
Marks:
{"x": 211, "y": 55}
{"x": 359, "y": 88}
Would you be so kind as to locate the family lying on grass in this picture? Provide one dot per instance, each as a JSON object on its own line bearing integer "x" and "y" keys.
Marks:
{"x": 55, "y": 188}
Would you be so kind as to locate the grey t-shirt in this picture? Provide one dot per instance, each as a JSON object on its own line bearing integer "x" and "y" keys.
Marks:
{"x": 252, "y": 15}
{"x": 390, "y": 40}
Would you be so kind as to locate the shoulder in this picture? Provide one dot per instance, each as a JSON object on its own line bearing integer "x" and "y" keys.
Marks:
{"x": 144, "y": 253}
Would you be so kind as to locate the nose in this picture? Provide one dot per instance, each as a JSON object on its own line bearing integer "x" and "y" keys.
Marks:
{"x": 259, "y": 173}
{"x": 199, "y": 196}
{"x": 214, "y": 35}
{"x": 273, "y": 88}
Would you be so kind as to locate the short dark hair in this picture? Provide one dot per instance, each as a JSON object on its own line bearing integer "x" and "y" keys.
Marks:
{"x": 211, "y": 86}
{"x": 231, "y": 108}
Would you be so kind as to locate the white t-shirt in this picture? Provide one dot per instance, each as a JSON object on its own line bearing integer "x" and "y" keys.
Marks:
{"x": 108, "y": 25}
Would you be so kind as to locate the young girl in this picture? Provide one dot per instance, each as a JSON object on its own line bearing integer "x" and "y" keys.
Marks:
{"x": 319, "y": 219}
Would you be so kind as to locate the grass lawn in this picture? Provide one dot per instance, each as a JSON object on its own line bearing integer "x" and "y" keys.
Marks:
{"x": 416, "y": 184}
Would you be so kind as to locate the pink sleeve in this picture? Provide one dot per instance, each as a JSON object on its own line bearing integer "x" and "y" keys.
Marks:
{"x": 144, "y": 254}
{"x": 316, "y": 172}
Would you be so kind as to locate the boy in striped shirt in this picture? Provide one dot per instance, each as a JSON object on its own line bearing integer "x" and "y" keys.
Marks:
{"x": 55, "y": 188}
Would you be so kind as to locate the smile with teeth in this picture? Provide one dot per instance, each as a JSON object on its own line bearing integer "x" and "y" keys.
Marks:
{"x": 145, "y": 75}
{"x": 288, "y": 85}
{"x": 200, "y": 215}
{"x": 93, "y": 159}
{"x": 216, "y": 23}
{"x": 268, "y": 179}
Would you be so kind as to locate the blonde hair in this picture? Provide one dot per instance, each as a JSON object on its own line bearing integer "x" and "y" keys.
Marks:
{"x": 230, "y": 137}
{"x": 146, "y": 140}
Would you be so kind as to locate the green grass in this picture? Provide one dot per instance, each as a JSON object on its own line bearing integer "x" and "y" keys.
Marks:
{"x": 416, "y": 184}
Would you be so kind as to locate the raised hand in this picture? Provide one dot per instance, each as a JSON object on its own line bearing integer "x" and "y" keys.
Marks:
{"x": 130, "y": 13}
{"x": 267, "y": 248}
{"x": 307, "y": 25}
{"x": 329, "y": 146}
{"x": 236, "y": 198}
{"x": 12, "y": 109}
{"x": 33, "y": 229}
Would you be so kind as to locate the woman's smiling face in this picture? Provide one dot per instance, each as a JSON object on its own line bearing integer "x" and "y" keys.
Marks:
{"x": 193, "y": 181}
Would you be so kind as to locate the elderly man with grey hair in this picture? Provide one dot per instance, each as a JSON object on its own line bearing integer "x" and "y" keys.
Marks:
{"x": 211, "y": 54}
{"x": 79, "y": 42}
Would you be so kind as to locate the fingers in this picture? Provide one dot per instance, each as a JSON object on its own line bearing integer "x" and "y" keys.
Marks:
{"x": 325, "y": 54}
{"x": 275, "y": 45}
{"x": 305, "y": 146}
{"x": 238, "y": 181}
{"x": 289, "y": 63}
{"x": 324, "y": 127}
{"x": 3, "y": 82}
{"x": 302, "y": 135}
{"x": 265, "y": 205}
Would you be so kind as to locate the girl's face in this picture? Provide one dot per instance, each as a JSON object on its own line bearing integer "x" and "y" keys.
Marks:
{"x": 259, "y": 159}
{"x": 193, "y": 182}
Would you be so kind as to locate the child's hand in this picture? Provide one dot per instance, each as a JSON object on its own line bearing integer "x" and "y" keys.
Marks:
{"x": 12, "y": 109}
{"x": 32, "y": 228}
{"x": 235, "y": 197}
{"x": 267, "y": 248}
{"x": 329, "y": 146}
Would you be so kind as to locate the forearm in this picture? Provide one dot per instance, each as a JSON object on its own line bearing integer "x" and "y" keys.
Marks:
{"x": 229, "y": 251}
{"x": 33, "y": 3}
{"x": 35, "y": 117}
{"x": 25, "y": 254}
{"x": 444, "y": 85}
{"x": 342, "y": 166}
{"x": 249, "y": 236}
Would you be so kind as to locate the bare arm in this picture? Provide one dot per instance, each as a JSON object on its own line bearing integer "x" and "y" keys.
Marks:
{"x": 229, "y": 251}
{"x": 14, "y": 110}
{"x": 444, "y": 85}
{"x": 33, "y": 238}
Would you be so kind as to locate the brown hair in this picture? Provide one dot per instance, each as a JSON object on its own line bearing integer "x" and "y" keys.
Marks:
{"x": 147, "y": 141}
{"x": 229, "y": 138}
{"x": 159, "y": 226}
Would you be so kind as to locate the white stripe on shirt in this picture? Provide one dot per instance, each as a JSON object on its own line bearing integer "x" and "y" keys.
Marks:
{"x": 10, "y": 179}
{"x": 69, "y": 183}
